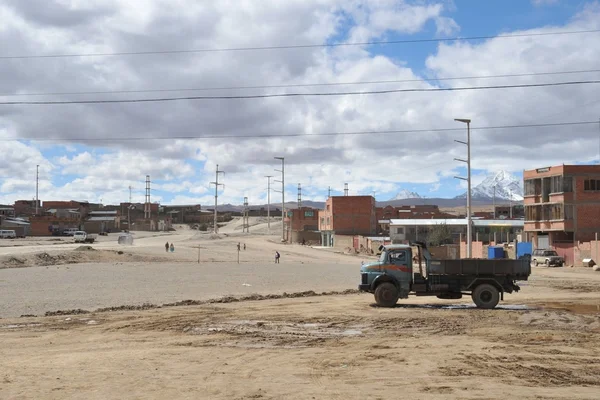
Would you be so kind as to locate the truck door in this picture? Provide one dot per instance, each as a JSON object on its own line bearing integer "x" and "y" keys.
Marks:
{"x": 400, "y": 266}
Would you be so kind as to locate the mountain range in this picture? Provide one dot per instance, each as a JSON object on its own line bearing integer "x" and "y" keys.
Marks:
{"x": 500, "y": 186}
{"x": 505, "y": 186}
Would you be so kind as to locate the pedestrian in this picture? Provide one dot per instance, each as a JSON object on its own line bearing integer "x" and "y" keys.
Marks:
{"x": 172, "y": 248}
{"x": 244, "y": 246}
{"x": 277, "y": 257}
{"x": 167, "y": 247}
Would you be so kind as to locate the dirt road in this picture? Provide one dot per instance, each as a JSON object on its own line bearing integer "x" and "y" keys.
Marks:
{"x": 332, "y": 347}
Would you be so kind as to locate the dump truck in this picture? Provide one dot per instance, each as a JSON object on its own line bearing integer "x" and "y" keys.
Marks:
{"x": 405, "y": 269}
{"x": 83, "y": 237}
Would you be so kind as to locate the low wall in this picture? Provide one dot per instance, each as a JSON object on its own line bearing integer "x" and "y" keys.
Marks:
{"x": 312, "y": 238}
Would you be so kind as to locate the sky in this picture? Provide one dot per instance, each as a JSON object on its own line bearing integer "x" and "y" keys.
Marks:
{"x": 378, "y": 143}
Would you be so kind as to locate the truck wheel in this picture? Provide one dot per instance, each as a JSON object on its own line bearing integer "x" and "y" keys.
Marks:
{"x": 535, "y": 263}
{"x": 485, "y": 296}
{"x": 386, "y": 295}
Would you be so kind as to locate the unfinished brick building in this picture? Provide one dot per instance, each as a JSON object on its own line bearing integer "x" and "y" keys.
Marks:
{"x": 347, "y": 215}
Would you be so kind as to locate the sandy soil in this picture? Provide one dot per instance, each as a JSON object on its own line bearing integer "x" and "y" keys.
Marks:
{"x": 541, "y": 343}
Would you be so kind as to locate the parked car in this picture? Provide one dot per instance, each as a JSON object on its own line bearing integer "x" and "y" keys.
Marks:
{"x": 8, "y": 234}
{"x": 547, "y": 257}
{"x": 70, "y": 231}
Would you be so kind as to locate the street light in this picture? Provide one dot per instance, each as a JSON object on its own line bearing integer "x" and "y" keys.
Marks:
{"x": 282, "y": 196}
{"x": 269, "y": 202}
{"x": 468, "y": 179}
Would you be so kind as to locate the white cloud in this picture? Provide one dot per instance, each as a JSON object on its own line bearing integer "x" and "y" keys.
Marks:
{"x": 367, "y": 163}
{"x": 543, "y": 2}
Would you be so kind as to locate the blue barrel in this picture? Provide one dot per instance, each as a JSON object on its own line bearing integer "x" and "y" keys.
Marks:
{"x": 495, "y": 252}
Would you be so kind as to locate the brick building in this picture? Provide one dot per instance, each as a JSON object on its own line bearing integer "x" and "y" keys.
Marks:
{"x": 82, "y": 207}
{"x": 347, "y": 215}
{"x": 304, "y": 219}
{"x": 562, "y": 204}
{"x": 26, "y": 208}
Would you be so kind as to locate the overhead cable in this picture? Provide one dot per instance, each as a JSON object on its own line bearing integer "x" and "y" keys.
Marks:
{"x": 297, "y": 46}
{"x": 298, "y": 84}
{"x": 306, "y": 135}
{"x": 274, "y": 95}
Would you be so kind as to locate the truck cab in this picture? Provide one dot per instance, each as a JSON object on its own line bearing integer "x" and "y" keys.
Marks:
{"x": 395, "y": 266}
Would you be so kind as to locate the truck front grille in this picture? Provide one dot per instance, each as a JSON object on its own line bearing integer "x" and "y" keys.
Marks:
{"x": 364, "y": 278}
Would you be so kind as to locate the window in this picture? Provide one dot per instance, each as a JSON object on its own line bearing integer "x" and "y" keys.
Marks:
{"x": 568, "y": 212}
{"x": 327, "y": 220}
{"x": 557, "y": 212}
{"x": 328, "y": 207}
{"x": 400, "y": 231}
{"x": 532, "y": 187}
{"x": 567, "y": 184}
{"x": 533, "y": 213}
{"x": 398, "y": 257}
{"x": 309, "y": 213}
{"x": 322, "y": 221}
{"x": 561, "y": 184}
{"x": 591, "y": 185}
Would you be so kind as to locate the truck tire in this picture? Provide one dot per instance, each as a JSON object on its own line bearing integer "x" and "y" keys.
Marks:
{"x": 486, "y": 296}
{"x": 386, "y": 294}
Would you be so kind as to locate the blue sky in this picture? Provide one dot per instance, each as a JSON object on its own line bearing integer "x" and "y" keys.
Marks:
{"x": 181, "y": 170}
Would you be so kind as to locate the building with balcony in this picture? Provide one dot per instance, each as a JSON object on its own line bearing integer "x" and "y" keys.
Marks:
{"x": 562, "y": 204}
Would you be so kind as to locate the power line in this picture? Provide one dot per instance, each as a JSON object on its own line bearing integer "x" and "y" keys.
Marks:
{"x": 299, "y": 84}
{"x": 255, "y": 136}
{"x": 273, "y": 95}
{"x": 300, "y": 46}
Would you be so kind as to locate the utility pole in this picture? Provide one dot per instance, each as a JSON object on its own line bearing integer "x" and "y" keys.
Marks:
{"x": 282, "y": 196}
{"x": 217, "y": 184}
{"x": 494, "y": 201}
{"x": 37, "y": 185}
{"x": 130, "y": 194}
{"x": 269, "y": 202}
{"x": 346, "y": 189}
{"x": 147, "y": 207}
{"x": 299, "y": 196}
{"x": 246, "y": 218}
{"x": 329, "y": 192}
{"x": 468, "y": 179}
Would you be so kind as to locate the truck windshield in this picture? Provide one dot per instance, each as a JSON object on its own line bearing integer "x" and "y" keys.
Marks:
{"x": 550, "y": 253}
{"x": 383, "y": 256}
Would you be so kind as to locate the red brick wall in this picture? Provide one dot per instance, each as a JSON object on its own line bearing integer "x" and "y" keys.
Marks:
{"x": 39, "y": 225}
{"x": 300, "y": 220}
{"x": 353, "y": 214}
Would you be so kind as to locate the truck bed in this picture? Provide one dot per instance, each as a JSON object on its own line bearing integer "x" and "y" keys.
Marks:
{"x": 517, "y": 269}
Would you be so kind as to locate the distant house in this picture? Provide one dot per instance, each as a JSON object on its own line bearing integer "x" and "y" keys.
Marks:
{"x": 101, "y": 221}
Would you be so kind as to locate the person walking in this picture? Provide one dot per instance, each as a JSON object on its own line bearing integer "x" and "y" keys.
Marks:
{"x": 167, "y": 247}
{"x": 172, "y": 248}
{"x": 244, "y": 246}
{"x": 277, "y": 256}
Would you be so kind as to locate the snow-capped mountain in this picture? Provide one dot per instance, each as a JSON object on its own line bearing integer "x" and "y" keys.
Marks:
{"x": 405, "y": 194}
{"x": 507, "y": 187}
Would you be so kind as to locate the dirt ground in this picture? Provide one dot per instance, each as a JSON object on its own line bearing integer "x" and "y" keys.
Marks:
{"x": 541, "y": 343}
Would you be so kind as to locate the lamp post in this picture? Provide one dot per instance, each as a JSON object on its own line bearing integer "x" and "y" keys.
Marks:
{"x": 269, "y": 202}
{"x": 468, "y": 179}
{"x": 282, "y": 196}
